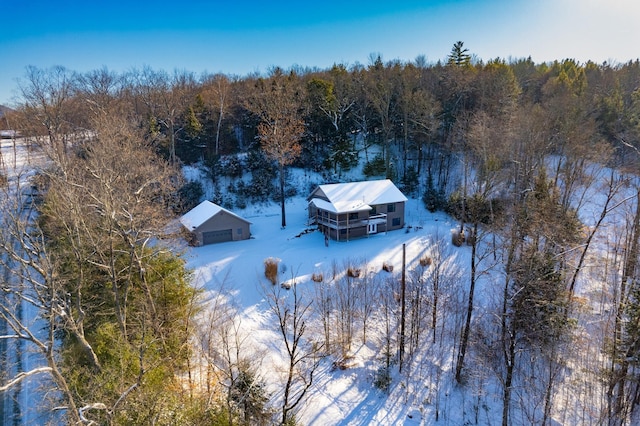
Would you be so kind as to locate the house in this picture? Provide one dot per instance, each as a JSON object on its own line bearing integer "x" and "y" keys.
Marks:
{"x": 209, "y": 223}
{"x": 356, "y": 209}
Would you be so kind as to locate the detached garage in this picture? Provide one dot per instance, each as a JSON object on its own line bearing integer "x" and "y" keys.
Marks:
{"x": 209, "y": 223}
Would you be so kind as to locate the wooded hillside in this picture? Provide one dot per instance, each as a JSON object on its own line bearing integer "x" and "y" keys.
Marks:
{"x": 511, "y": 149}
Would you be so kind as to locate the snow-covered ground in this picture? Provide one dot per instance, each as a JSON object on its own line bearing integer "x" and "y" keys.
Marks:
{"x": 338, "y": 397}
{"x": 240, "y": 263}
{"x": 425, "y": 391}
{"x": 18, "y": 165}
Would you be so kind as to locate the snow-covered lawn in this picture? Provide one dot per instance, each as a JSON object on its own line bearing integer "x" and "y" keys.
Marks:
{"x": 240, "y": 263}
{"x": 345, "y": 397}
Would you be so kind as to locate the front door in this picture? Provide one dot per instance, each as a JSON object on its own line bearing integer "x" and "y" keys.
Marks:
{"x": 373, "y": 228}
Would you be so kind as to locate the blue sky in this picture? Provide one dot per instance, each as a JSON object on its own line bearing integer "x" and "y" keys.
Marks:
{"x": 240, "y": 37}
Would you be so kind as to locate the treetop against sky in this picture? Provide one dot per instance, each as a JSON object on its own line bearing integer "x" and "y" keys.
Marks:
{"x": 252, "y": 36}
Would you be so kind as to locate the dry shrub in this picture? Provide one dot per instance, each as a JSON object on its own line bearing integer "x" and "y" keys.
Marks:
{"x": 425, "y": 261}
{"x": 190, "y": 238}
{"x": 317, "y": 277}
{"x": 387, "y": 267}
{"x": 271, "y": 269}
{"x": 353, "y": 272}
{"x": 343, "y": 363}
{"x": 457, "y": 238}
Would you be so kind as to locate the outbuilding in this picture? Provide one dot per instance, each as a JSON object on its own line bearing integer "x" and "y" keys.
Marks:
{"x": 209, "y": 223}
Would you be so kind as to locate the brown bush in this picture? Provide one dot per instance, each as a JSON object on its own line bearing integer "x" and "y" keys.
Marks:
{"x": 317, "y": 277}
{"x": 271, "y": 269}
{"x": 190, "y": 238}
{"x": 387, "y": 267}
{"x": 457, "y": 238}
{"x": 353, "y": 272}
{"x": 425, "y": 261}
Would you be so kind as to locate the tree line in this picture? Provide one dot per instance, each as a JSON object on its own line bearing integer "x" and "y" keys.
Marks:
{"x": 417, "y": 113}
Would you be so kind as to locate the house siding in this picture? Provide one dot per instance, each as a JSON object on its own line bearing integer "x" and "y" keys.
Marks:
{"x": 222, "y": 221}
{"x": 318, "y": 193}
{"x": 355, "y": 229}
{"x": 398, "y": 213}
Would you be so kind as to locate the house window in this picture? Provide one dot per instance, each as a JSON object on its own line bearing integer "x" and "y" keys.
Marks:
{"x": 395, "y": 221}
{"x": 353, "y": 216}
{"x": 391, "y": 208}
{"x": 373, "y": 211}
{"x": 343, "y": 232}
{"x": 239, "y": 231}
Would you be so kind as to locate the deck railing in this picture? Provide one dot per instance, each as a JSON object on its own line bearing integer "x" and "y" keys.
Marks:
{"x": 334, "y": 223}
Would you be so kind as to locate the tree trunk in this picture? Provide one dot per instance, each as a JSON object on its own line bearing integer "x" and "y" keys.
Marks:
{"x": 467, "y": 325}
{"x": 218, "y": 127}
{"x": 284, "y": 220}
{"x": 592, "y": 233}
{"x": 506, "y": 396}
{"x": 509, "y": 347}
{"x": 402, "y": 308}
{"x": 619, "y": 376}
{"x": 434, "y": 311}
{"x": 172, "y": 148}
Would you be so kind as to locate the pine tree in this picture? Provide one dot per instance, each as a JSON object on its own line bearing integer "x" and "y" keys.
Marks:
{"x": 459, "y": 56}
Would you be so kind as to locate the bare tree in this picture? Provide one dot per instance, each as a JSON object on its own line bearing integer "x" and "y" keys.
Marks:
{"x": 292, "y": 313}
{"x": 345, "y": 303}
{"x": 47, "y": 113}
{"x": 361, "y": 110}
{"x": 381, "y": 93}
{"x": 278, "y": 105}
{"x": 113, "y": 202}
{"x": 324, "y": 303}
{"x": 476, "y": 207}
{"x": 92, "y": 258}
{"x": 166, "y": 98}
{"x": 217, "y": 93}
{"x": 368, "y": 288}
{"x": 230, "y": 368}
{"x": 30, "y": 283}
{"x": 102, "y": 90}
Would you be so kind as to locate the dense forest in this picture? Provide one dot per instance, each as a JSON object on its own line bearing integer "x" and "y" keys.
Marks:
{"x": 513, "y": 150}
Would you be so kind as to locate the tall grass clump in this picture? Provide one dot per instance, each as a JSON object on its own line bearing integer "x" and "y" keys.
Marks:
{"x": 271, "y": 269}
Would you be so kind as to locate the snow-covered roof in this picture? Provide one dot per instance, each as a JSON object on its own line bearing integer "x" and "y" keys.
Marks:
{"x": 358, "y": 196}
{"x": 204, "y": 211}
{"x": 341, "y": 206}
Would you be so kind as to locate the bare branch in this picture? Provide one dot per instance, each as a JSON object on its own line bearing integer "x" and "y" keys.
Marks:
{"x": 21, "y": 376}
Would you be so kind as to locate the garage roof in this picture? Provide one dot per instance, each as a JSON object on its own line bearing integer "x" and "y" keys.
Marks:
{"x": 204, "y": 211}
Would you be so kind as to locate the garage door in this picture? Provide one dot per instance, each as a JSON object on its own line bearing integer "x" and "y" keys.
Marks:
{"x": 216, "y": 236}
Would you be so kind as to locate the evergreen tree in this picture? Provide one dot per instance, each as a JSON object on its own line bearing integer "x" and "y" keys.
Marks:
{"x": 459, "y": 55}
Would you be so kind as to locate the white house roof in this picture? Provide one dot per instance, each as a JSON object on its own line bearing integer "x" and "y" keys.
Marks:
{"x": 204, "y": 211}
{"x": 358, "y": 196}
{"x": 341, "y": 207}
